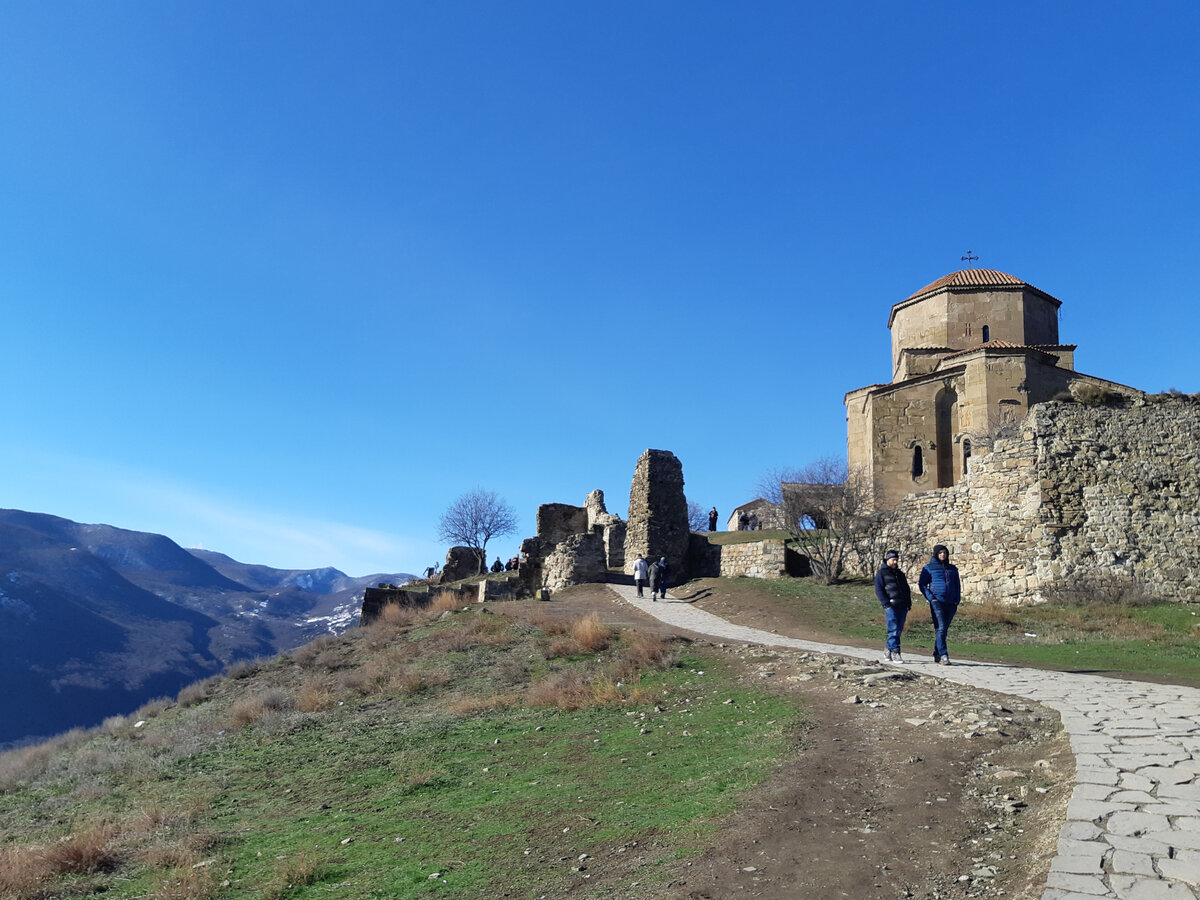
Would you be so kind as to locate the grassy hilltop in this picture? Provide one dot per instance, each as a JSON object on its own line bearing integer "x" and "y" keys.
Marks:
{"x": 428, "y": 754}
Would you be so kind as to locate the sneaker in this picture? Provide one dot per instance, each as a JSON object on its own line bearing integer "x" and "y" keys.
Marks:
{"x": 944, "y": 661}
{"x": 897, "y": 658}
{"x": 889, "y": 656}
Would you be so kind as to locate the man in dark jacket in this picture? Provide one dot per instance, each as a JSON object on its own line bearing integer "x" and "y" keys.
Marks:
{"x": 891, "y": 587}
{"x": 940, "y": 584}
{"x": 660, "y": 572}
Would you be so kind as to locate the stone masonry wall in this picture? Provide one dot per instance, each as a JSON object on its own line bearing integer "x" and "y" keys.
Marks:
{"x": 1083, "y": 489}
{"x": 754, "y": 559}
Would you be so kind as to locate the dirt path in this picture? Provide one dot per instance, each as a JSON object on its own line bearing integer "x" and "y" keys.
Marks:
{"x": 900, "y": 786}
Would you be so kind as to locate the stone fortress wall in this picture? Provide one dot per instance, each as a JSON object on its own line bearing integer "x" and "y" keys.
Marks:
{"x": 1082, "y": 489}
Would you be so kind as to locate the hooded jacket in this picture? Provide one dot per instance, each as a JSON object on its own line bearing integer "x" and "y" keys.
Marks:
{"x": 891, "y": 588}
{"x": 939, "y": 580}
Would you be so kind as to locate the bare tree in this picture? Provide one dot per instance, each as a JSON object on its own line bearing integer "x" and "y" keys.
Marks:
{"x": 826, "y": 510}
{"x": 474, "y": 519}
{"x": 697, "y": 516}
{"x": 769, "y": 486}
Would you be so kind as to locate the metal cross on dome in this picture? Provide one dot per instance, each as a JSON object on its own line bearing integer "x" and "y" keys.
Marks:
{"x": 969, "y": 258}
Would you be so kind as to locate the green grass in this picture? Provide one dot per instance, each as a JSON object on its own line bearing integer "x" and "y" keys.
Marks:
{"x": 744, "y": 537}
{"x": 1158, "y": 640}
{"x": 479, "y": 776}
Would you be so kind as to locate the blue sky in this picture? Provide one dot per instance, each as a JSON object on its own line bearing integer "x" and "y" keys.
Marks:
{"x": 282, "y": 280}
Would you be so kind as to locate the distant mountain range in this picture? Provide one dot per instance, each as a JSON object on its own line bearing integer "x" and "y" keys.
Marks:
{"x": 96, "y": 620}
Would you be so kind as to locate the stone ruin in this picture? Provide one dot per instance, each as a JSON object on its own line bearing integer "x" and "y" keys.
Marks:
{"x": 573, "y": 545}
{"x": 461, "y": 562}
{"x": 658, "y": 518}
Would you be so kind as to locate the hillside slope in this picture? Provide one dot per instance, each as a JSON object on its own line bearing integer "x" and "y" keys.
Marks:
{"x": 96, "y": 620}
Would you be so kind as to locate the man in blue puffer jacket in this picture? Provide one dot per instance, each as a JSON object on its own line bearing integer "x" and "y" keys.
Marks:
{"x": 941, "y": 587}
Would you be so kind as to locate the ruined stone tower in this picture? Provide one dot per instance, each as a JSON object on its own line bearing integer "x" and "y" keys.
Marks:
{"x": 658, "y": 520}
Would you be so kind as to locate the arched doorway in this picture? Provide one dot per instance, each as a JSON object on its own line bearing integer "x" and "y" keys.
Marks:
{"x": 946, "y": 417}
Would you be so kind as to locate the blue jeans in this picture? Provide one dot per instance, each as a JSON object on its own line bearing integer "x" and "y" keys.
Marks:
{"x": 943, "y": 615}
{"x": 895, "y": 625}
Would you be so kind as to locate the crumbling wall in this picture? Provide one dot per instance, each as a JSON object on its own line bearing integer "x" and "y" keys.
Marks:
{"x": 610, "y": 527}
{"x": 1083, "y": 489}
{"x": 558, "y": 521}
{"x": 658, "y": 520}
{"x": 574, "y": 545}
{"x": 577, "y": 560}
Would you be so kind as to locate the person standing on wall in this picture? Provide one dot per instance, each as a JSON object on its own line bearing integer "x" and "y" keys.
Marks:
{"x": 659, "y": 574}
{"x": 641, "y": 572}
{"x": 891, "y": 587}
{"x": 940, "y": 584}
{"x": 712, "y": 519}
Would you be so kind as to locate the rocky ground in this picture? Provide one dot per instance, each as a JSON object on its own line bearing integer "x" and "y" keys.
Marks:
{"x": 901, "y": 786}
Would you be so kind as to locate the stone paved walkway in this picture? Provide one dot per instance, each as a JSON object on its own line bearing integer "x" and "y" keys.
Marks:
{"x": 1133, "y": 822}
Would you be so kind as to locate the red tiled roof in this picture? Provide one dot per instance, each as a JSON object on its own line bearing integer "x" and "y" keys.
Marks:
{"x": 1009, "y": 345}
{"x": 969, "y": 278}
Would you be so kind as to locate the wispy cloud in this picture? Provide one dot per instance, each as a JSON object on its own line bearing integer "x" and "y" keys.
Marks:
{"x": 194, "y": 516}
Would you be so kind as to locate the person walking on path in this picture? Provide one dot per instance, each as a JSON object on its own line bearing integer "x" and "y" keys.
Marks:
{"x": 940, "y": 584}
{"x": 891, "y": 587}
{"x": 659, "y": 574}
{"x": 712, "y": 519}
{"x": 641, "y": 571}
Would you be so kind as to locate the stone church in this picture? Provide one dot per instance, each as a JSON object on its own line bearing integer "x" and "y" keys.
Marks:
{"x": 972, "y": 353}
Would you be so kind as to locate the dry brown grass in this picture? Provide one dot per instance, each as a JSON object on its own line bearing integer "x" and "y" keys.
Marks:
{"x": 195, "y": 881}
{"x": 249, "y": 710}
{"x": 22, "y": 874}
{"x": 91, "y": 848}
{"x": 314, "y": 695}
{"x": 563, "y": 690}
{"x": 472, "y": 706}
{"x": 563, "y": 647}
{"x": 550, "y": 624}
{"x": 991, "y": 611}
{"x": 411, "y": 681}
{"x": 592, "y": 634}
{"x": 648, "y": 650}
{"x": 292, "y": 873}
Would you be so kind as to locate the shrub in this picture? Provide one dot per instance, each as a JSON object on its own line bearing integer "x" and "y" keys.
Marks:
{"x": 243, "y": 669}
{"x": 1093, "y": 394}
{"x": 307, "y": 655}
{"x": 151, "y": 708}
{"x": 196, "y": 692}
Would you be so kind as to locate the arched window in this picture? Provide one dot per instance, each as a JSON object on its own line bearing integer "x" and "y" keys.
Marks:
{"x": 966, "y": 454}
{"x": 987, "y": 332}
{"x": 918, "y": 464}
{"x": 946, "y": 418}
